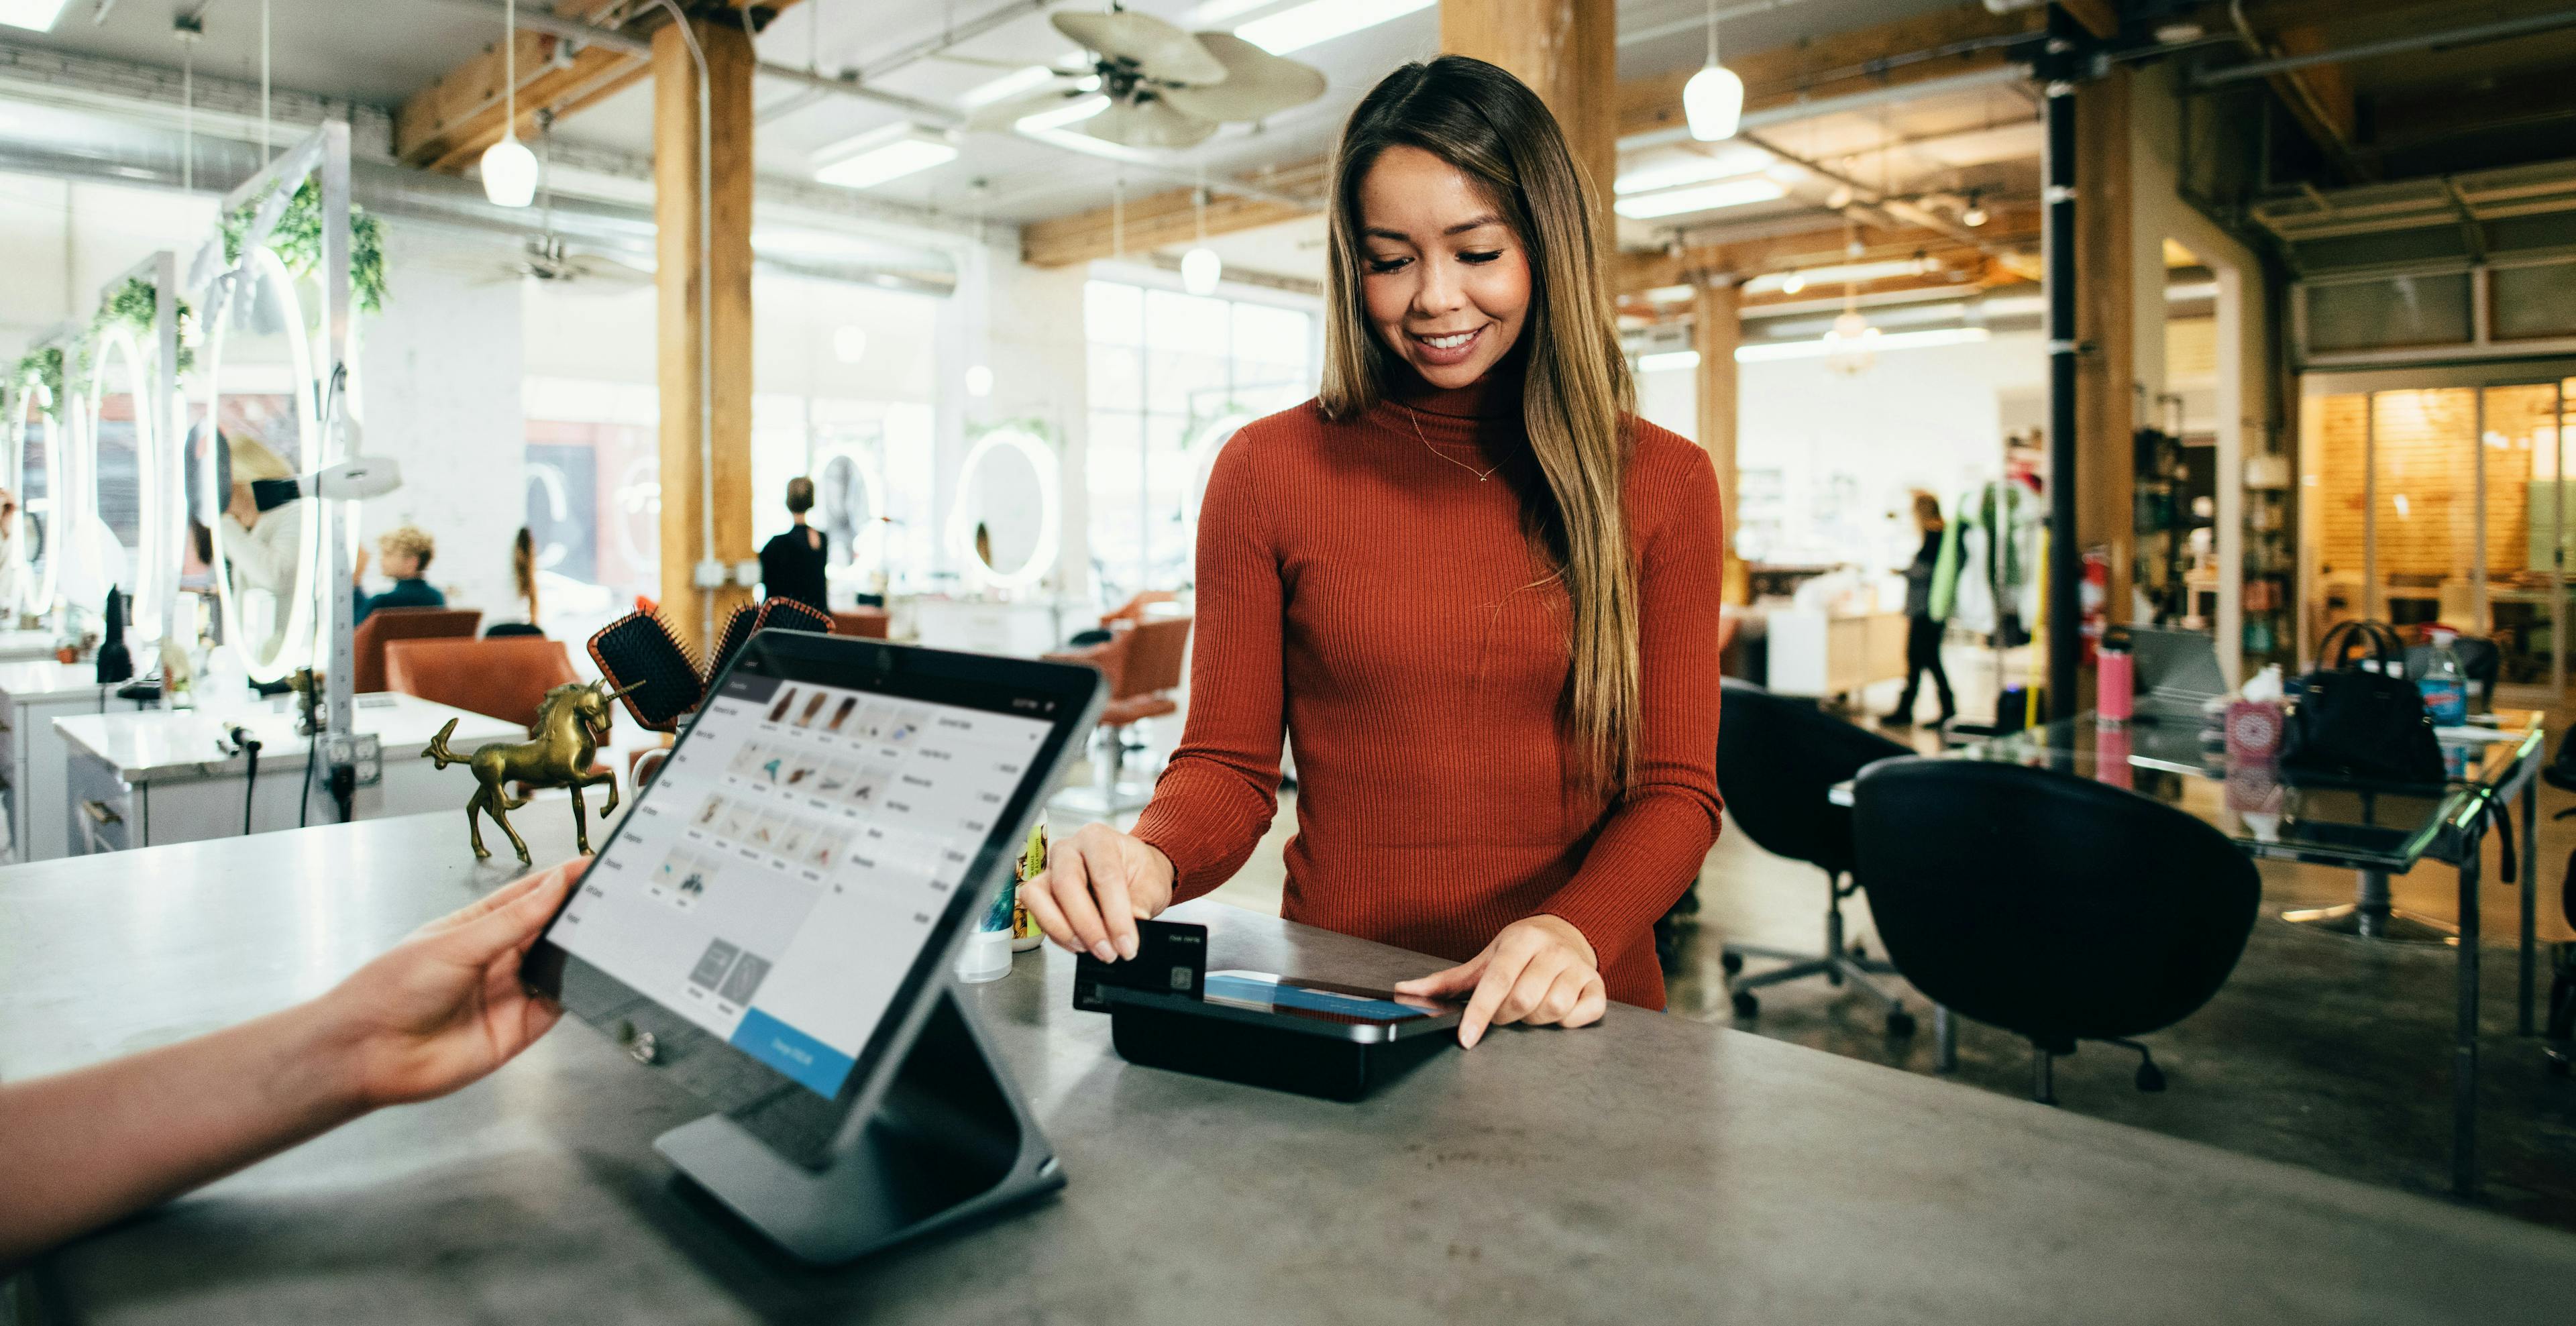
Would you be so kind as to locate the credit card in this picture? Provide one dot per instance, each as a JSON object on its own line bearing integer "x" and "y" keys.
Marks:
{"x": 1171, "y": 958}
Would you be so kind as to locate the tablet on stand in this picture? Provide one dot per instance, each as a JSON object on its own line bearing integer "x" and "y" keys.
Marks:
{"x": 774, "y": 922}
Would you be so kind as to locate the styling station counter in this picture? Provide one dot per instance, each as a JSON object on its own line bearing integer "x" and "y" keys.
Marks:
{"x": 28, "y": 646}
{"x": 1648, "y": 1169}
{"x": 32, "y": 695}
{"x": 175, "y": 776}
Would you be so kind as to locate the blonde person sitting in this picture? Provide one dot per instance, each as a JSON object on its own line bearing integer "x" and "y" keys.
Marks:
{"x": 261, "y": 546}
{"x": 406, "y": 550}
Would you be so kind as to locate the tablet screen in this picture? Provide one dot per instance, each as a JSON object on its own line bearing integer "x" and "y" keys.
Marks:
{"x": 792, "y": 860}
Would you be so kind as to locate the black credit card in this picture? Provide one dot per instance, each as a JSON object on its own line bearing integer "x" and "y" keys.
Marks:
{"x": 1171, "y": 958}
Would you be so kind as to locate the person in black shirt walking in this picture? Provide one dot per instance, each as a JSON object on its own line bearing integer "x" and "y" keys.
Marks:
{"x": 791, "y": 565}
{"x": 1922, "y": 629}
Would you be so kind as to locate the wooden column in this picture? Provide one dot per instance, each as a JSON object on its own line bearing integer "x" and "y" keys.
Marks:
{"x": 2106, "y": 292}
{"x": 1717, "y": 327}
{"x": 728, "y": 276}
{"x": 1568, "y": 52}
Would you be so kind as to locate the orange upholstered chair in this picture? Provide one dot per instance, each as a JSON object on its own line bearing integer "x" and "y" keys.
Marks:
{"x": 386, "y": 625}
{"x": 866, "y": 623}
{"x": 505, "y": 677}
{"x": 1143, "y": 664}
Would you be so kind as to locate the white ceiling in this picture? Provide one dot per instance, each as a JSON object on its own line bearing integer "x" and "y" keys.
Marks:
{"x": 381, "y": 51}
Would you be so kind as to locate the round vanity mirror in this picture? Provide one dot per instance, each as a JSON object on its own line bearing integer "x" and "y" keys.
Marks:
{"x": 847, "y": 511}
{"x": 27, "y": 580}
{"x": 262, "y": 397}
{"x": 1203, "y": 448}
{"x": 122, "y": 492}
{"x": 1008, "y": 514}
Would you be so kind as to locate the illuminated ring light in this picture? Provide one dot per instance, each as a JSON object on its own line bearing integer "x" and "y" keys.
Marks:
{"x": 149, "y": 566}
{"x": 961, "y": 521}
{"x": 38, "y": 598}
{"x": 867, "y": 549}
{"x": 296, "y": 645}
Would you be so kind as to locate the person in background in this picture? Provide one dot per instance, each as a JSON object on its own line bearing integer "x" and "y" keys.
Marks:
{"x": 1922, "y": 629}
{"x": 261, "y": 546}
{"x": 523, "y": 570}
{"x": 407, "y": 550}
{"x": 1470, "y": 583}
{"x": 791, "y": 565}
{"x": 436, "y": 1012}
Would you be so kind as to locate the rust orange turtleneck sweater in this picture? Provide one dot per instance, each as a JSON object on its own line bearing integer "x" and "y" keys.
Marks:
{"x": 1360, "y": 587}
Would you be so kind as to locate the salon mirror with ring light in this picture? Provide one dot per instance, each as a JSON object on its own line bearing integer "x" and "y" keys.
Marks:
{"x": 1202, "y": 450}
{"x": 1004, "y": 529}
{"x": 123, "y": 549}
{"x": 847, "y": 510}
{"x": 258, "y": 386}
{"x": 28, "y": 579}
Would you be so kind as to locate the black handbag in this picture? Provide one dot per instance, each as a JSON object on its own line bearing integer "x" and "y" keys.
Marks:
{"x": 2353, "y": 723}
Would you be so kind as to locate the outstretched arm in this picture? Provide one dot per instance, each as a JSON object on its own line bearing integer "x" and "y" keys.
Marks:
{"x": 438, "y": 1011}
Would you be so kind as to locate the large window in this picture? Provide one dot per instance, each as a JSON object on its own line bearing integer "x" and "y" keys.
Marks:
{"x": 1172, "y": 375}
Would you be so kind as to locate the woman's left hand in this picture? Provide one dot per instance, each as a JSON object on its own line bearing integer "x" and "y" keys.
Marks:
{"x": 1540, "y": 971}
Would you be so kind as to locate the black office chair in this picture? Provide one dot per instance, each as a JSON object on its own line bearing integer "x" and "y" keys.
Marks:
{"x": 1778, "y": 759}
{"x": 2560, "y": 1047}
{"x": 504, "y": 630}
{"x": 2055, "y": 907}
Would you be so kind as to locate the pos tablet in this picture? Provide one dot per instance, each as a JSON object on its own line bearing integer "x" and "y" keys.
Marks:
{"x": 772, "y": 924}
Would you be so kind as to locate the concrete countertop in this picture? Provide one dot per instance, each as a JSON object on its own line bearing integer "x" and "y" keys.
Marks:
{"x": 1649, "y": 1169}
{"x": 162, "y": 744}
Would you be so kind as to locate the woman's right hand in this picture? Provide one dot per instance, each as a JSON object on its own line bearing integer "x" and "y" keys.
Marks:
{"x": 1097, "y": 884}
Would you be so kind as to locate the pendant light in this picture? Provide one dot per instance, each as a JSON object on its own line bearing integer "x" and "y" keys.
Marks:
{"x": 1201, "y": 269}
{"x": 1713, "y": 99}
{"x": 509, "y": 168}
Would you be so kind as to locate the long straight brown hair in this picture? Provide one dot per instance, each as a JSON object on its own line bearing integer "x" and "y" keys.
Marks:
{"x": 1576, "y": 388}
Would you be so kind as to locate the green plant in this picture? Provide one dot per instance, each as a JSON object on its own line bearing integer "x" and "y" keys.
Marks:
{"x": 135, "y": 304}
{"x": 46, "y": 367}
{"x": 297, "y": 241}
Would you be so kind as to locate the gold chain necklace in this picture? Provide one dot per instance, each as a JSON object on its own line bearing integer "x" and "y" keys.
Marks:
{"x": 1416, "y": 417}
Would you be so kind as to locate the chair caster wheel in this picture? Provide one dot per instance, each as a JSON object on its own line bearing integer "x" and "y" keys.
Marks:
{"x": 1860, "y": 951}
{"x": 1833, "y": 977}
{"x": 1730, "y": 963}
{"x": 2559, "y": 1065}
{"x": 1746, "y": 1006}
{"x": 2150, "y": 1078}
{"x": 1899, "y": 1022}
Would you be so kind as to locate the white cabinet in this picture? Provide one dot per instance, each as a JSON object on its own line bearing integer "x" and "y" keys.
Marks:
{"x": 32, "y": 695}
{"x": 1815, "y": 653}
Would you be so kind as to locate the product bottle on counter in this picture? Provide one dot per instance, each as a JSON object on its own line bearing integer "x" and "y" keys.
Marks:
{"x": 2445, "y": 684}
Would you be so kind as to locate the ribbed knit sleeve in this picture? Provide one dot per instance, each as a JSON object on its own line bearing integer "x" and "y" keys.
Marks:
{"x": 1650, "y": 849}
{"x": 1217, "y": 795}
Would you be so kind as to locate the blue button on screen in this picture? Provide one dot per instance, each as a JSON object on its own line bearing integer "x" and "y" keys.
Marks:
{"x": 813, "y": 1065}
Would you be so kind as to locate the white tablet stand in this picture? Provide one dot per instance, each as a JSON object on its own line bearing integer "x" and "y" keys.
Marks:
{"x": 950, "y": 1140}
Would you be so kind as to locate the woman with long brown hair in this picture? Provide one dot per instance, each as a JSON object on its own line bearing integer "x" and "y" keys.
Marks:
{"x": 1476, "y": 590}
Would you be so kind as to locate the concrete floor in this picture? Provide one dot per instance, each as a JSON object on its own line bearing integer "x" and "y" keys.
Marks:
{"x": 2324, "y": 1052}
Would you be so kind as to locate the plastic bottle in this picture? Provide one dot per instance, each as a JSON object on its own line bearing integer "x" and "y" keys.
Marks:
{"x": 2445, "y": 684}
{"x": 2114, "y": 692}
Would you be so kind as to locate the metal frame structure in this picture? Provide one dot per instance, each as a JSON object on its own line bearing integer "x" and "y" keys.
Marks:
{"x": 322, "y": 155}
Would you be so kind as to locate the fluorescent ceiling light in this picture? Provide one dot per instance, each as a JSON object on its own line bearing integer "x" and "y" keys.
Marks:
{"x": 1669, "y": 294}
{"x": 1835, "y": 275}
{"x": 1008, "y": 85}
{"x": 1667, "y": 361}
{"x": 33, "y": 15}
{"x": 1318, "y": 21}
{"x": 1822, "y": 346}
{"x": 1072, "y": 112}
{"x": 1218, "y": 12}
{"x": 1701, "y": 198}
{"x": 889, "y": 153}
{"x": 1691, "y": 168}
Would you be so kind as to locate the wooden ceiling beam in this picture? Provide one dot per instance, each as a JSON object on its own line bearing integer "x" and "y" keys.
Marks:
{"x": 1940, "y": 44}
{"x": 447, "y": 125}
{"x": 2009, "y": 229}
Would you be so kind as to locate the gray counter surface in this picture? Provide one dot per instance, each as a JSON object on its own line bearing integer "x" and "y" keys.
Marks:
{"x": 1649, "y": 1169}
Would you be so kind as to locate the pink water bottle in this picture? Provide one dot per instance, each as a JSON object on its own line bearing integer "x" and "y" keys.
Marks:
{"x": 2116, "y": 693}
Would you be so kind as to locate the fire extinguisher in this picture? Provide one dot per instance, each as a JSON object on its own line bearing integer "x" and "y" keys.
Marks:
{"x": 2094, "y": 597}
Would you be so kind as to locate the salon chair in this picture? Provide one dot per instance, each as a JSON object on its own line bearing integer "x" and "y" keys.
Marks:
{"x": 1143, "y": 664}
{"x": 864, "y": 623}
{"x": 386, "y": 625}
{"x": 2055, "y": 907}
{"x": 504, "y": 678}
{"x": 1778, "y": 760}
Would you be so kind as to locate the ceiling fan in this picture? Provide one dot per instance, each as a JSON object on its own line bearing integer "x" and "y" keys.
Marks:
{"x": 546, "y": 259}
{"x": 1166, "y": 87}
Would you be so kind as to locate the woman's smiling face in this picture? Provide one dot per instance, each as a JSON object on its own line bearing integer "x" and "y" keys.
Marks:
{"x": 1445, "y": 280}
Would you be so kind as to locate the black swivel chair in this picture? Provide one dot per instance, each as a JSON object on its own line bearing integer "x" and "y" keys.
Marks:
{"x": 2055, "y": 907}
{"x": 1778, "y": 759}
{"x": 2561, "y": 1044}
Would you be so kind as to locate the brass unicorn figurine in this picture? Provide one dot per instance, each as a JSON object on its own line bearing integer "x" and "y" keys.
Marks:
{"x": 572, "y": 724}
